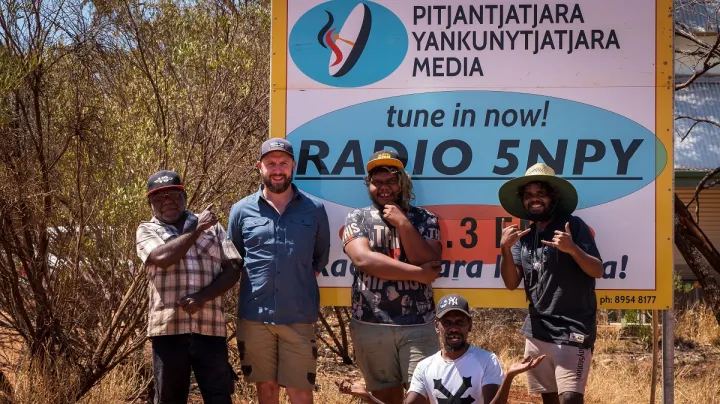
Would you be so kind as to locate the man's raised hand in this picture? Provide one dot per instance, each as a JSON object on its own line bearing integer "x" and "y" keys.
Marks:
{"x": 562, "y": 240}
{"x": 207, "y": 219}
{"x": 526, "y": 364}
{"x": 394, "y": 214}
{"x": 510, "y": 236}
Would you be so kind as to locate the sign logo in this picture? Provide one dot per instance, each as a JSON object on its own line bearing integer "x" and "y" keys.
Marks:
{"x": 162, "y": 179}
{"x": 346, "y": 52}
{"x": 344, "y": 43}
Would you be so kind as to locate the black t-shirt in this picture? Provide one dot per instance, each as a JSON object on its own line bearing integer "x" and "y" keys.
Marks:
{"x": 377, "y": 300}
{"x": 563, "y": 305}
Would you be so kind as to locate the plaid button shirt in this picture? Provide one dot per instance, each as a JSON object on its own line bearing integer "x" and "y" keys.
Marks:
{"x": 199, "y": 267}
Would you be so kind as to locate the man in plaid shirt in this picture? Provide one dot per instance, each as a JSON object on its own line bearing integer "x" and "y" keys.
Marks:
{"x": 191, "y": 263}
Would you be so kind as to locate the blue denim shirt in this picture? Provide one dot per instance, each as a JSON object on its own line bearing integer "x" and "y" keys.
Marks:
{"x": 282, "y": 254}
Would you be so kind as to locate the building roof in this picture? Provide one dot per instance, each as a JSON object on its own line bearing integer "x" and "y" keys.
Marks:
{"x": 700, "y": 150}
{"x": 700, "y": 16}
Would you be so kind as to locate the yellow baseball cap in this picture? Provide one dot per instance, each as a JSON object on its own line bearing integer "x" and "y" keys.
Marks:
{"x": 384, "y": 158}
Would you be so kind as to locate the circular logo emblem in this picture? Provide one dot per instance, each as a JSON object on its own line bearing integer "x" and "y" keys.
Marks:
{"x": 345, "y": 43}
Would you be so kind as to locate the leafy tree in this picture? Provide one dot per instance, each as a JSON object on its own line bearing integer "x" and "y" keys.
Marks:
{"x": 94, "y": 97}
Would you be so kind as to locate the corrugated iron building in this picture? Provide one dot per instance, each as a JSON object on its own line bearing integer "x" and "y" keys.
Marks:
{"x": 697, "y": 109}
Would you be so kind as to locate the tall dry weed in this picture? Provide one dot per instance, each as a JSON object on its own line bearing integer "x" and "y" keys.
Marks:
{"x": 34, "y": 382}
{"x": 620, "y": 373}
{"x": 698, "y": 324}
{"x": 124, "y": 384}
{"x": 695, "y": 384}
{"x": 619, "y": 380}
{"x": 498, "y": 330}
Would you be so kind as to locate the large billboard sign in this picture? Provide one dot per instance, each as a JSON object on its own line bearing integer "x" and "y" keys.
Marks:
{"x": 472, "y": 94}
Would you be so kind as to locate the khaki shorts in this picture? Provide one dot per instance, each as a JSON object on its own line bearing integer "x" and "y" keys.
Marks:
{"x": 565, "y": 368}
{"x": 387, "y": 354}
{"x": 286, "y": 354}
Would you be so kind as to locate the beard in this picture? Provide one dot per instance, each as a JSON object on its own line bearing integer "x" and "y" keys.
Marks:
{"x": 280, "y": 188}
{"x": 540, "y": 216}
{"x": 457, "y": 345}
{"x": 397, "y": 198}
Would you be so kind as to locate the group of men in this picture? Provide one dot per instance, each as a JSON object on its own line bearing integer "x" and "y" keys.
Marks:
{"x": 408, "y": 350}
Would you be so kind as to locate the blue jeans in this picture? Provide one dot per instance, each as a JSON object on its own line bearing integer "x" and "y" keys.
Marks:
{"x": 173, "y": 358}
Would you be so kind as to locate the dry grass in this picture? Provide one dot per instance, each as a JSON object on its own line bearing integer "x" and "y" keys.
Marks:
{"x": 608, "y": 340}
{"x": 34, "y": 383}
{"x": 120, "y": 386}
{"x": 698, "y": 324}
{"x": 620, "y": 372}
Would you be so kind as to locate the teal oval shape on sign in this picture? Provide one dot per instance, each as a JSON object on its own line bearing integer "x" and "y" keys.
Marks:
{"x": 461, "y": 146}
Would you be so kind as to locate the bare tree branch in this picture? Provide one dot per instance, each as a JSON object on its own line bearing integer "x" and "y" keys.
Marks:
{"x": 696, "y": 121}
{"x": 711, "y": 51}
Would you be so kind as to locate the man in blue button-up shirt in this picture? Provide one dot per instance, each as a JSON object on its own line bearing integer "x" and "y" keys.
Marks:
{"x": 284, "y": 238}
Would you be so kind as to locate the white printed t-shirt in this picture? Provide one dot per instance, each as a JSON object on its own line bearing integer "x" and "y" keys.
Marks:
{"x": 459, "y": 381}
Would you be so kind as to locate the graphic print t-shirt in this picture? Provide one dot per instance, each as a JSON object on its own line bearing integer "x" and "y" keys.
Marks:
{"x": 377, "y": 300}
{"x": 459, "y": 381}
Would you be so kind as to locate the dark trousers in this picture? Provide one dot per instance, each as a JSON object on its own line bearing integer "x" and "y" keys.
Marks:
{"x": 173, "y": 358}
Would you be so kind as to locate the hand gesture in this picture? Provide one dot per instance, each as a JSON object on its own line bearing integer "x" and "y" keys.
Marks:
{"x": 562, "y": 240}
{"x": 207, "y": 219}
{"x": 191, "y": 303}
{"x": 526, "y": 364}
{"x": 429, "y": 271}
{"x": 394, "y": 215}
{"x": 510, "y": 236}
{"x": 356, "y": 389}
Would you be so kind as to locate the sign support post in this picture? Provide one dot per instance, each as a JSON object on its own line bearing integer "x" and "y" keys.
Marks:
{"x": 668, "y": 356}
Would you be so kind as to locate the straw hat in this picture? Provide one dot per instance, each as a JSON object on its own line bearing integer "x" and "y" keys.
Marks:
{"x": 512, "y": 202}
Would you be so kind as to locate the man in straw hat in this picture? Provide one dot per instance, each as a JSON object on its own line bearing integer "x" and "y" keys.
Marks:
{"x": 558, "y": 261}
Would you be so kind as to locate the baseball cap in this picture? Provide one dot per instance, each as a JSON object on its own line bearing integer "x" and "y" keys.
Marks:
{"x": 276, "y": 144}
{"x": 164, "y": 179}
{"x": 452, "y": 302}
{"x": 384, "y": 158}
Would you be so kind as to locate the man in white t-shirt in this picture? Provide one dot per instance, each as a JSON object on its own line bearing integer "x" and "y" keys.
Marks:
{"x": 459, "y": 373}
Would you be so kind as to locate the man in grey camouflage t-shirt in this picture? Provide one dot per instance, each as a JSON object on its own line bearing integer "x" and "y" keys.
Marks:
{"x": 395, "y": 248}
